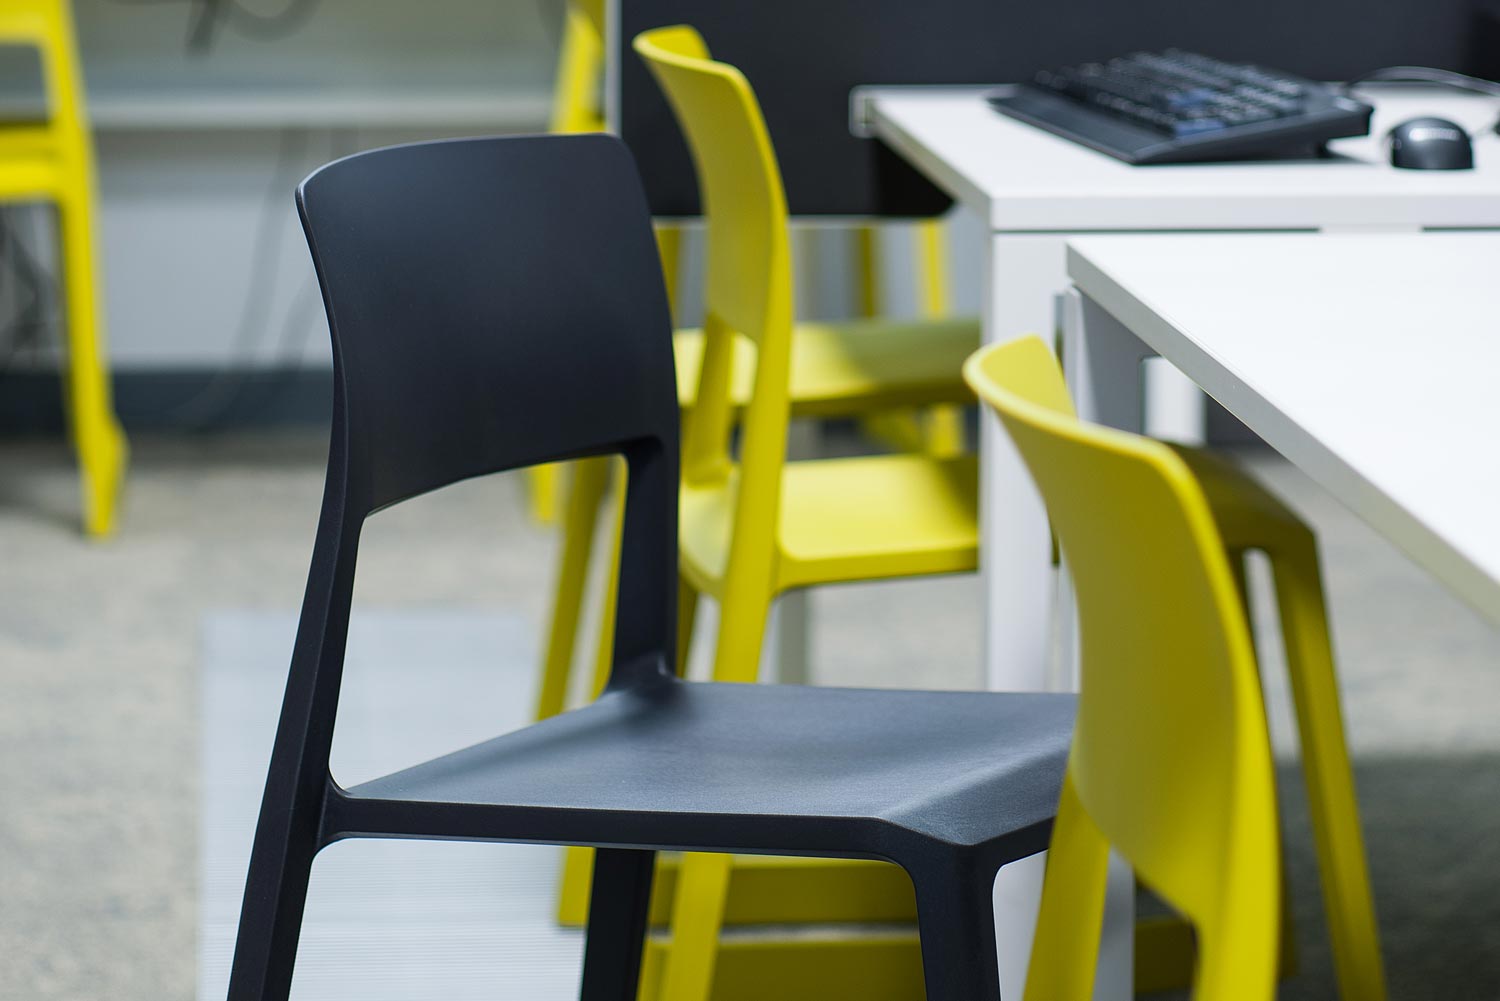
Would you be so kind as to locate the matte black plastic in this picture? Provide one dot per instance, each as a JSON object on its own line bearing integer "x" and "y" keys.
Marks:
{"x": 1329, "y": 115}
{"x": 498, "y": 302}
{"x": 804, "y": 58}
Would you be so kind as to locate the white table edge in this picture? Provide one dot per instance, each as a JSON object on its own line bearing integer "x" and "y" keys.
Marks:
{"x": 1421, "y": 543}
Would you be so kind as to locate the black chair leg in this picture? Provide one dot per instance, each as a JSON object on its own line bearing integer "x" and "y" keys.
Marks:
{"x": 271, "y": 917}
{"x": 619, "y": 908}
{"x": 956, "y": 922}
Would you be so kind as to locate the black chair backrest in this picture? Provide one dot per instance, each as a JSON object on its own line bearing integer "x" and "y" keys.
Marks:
{"x": 493, "y": 303}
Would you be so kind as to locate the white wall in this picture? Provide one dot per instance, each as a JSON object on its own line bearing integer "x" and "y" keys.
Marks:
{"x": 199, "y": 155}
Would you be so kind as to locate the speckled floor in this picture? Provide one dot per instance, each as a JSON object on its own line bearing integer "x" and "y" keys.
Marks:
{"x": 99, "y": 724}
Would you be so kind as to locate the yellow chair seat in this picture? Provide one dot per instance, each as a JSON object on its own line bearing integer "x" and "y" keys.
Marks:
{"x": 851, "y": 366}
{"x": 847, "y": 519}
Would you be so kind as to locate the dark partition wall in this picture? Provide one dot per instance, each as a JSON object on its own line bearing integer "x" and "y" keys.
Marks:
{"x": 804, "y": 56}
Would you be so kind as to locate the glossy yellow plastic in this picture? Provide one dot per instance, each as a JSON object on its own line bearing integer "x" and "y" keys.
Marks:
{"x": 755, "y": 525}
{"x": 1250, "y": 519}
{"x": 53, "y": 161}
{"x": 1171, "y": 760}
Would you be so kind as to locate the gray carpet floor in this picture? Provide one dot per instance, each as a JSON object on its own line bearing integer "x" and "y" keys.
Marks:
{"x": 100, "y": 728}
{"x": 385, "y": 920}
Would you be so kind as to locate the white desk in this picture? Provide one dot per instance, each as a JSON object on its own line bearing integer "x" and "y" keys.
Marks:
{"x": 1371, "y": 362}
{"x": 1035, "y": 189}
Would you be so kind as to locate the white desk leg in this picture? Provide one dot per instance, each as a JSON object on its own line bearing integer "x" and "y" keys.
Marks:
{"x": 1024, "y": 274}
{"x": 1176, "y": 409}
{"x": 1102, "y": 362}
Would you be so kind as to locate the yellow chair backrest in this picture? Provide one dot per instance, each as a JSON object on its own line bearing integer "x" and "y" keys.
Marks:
{"x": 748, "y": 287}
{"x": 48, "y": 25}
{"x": 1171, "y": 762}
{"x": 576, "y": 96}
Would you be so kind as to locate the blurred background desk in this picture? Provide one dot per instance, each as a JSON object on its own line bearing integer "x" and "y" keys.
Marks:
{"x": 1033, "y": 189}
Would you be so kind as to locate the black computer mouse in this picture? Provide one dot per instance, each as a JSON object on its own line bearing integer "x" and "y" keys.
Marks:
{"x": 1431, "y": 144}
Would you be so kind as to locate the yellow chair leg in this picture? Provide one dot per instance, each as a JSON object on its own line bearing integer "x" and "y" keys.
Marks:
{"x": 1347, "y": 897}
{"x": 97, "y": 437}
{"x": 944, "y": 432}
{"x": 1072, "y": 898}
{"x": 867, "y": 261}
{"x": 573, "y": 887}
{"x": 742, "y": 629}
{"x": 932, "y": 254}
{"x": 1239, "y": 567}
{"x": 605, "y": 650}
{"x": 943, "y": 435}
{"x": 697, "y": 918}
{"x": 900, "y": 429}
{"x": 687, "y": 615}
{"x": 543, "y": 485}
{"x": 578, "y": 863}
{"x": 669, "y": 247}
{"x": 587, "y": 481}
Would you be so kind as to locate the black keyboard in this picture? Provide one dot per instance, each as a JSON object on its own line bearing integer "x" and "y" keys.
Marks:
{"x": 1179, "y": 107}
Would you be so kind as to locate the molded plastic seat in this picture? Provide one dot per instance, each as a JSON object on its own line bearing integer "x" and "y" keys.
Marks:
{"x": 850, "y": 367}
{"x": 962, "y": 767}
{"x": 919, "y": 518}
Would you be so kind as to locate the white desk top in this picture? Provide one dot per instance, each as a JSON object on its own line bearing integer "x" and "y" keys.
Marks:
{"x": 1024, "y": 179}
{"x": 1371, "y": 362}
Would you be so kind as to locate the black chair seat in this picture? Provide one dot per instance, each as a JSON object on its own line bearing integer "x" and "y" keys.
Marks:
{"x": 956, "y": 767}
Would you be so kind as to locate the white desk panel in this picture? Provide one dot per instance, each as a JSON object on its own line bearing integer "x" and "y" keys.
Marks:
{"x": 1023, "y": 179}
{"x": 1371, "y": 362}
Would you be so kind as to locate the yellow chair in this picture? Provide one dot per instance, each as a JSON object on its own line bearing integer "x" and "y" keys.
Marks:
{"x": 836, "y": 369}
{"x": 1171, "y": 761}
{"x": 52, "y": 161}
{"x": 1245, "y": 517}
{"x": 757, "y": 525}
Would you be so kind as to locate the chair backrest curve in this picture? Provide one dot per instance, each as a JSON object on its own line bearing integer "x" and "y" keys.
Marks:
{"x": 1171, "y": 759}
{"x": 493, "y": 303}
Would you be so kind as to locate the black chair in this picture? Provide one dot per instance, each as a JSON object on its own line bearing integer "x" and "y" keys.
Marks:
{"x": 496, "y": 303}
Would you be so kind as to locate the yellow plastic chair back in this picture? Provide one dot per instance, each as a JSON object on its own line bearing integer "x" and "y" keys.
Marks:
{"x": 1171, "y": 762}
{"x": 748, "y": 286}
{"x": 580, "y": 66}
